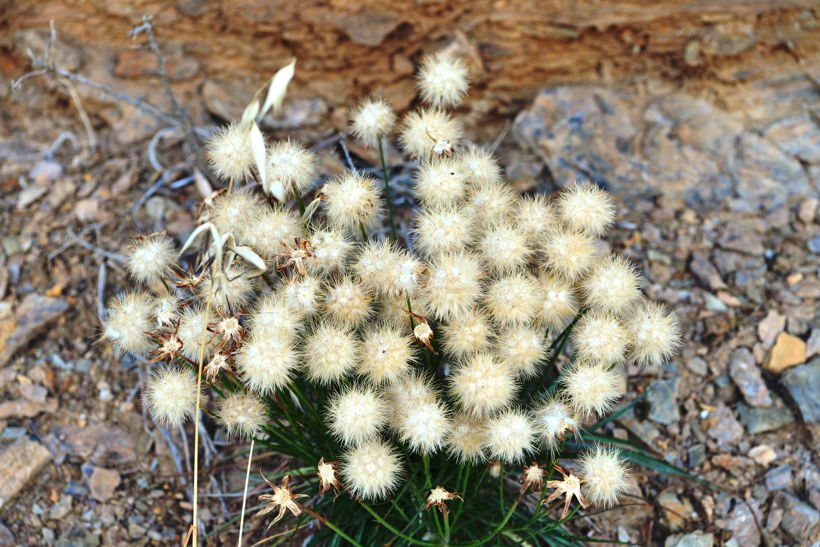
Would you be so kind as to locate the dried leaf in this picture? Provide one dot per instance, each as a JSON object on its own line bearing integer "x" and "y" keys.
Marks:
{"x": 251, "y": 111}
{"x": 278, "y": 87}
{"x": 202, "y": 184}
{"x": 194, "y": 235}
{"x": 277, "y": 190}
{"x": 248, "y": 255}
{"x": 258, "y": 149}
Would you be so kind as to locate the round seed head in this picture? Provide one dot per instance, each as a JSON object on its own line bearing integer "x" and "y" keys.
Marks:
{"x": 443, "y": 230}
{"x": 604, "y": 475}
{"x": 612, "y": 285}
{"x": 655, "y": 333}
{"x": 266, "y": 363}
{"x": 229, "y": 153}
{"x": 591, "y": 388}
{"x": 372, "y": 119}
{"x": 467, "y": 334}
{"x": 290, "y": 165}
{"x": 330, "y": 250}
{"x": 568, "y": 253}
{"x": 385, "y": 354}
{"x": 509, "y": 436}
{"x": 192, "y": 331}
{"x": 600, "y": 338}
{"x": 453, "y": 285}
{"x": 490, "y": 203}
{"x": 442, "y": 80}
{"x": 329, "y": 353}
{"x": 482, "y": 385}
{"x": 587, "y": 208}
{"x": 353, "y": 201}
{"x": 440, "y": 183}
{"x": 479, "y": 166}
{"x": 428, "y": 133}
{"x": 371, "y": 470}
{"x": 357, "y": 414}
{"x": 504, "y": 248}
{"x": 128, "y": 320}
{"x": 150, "y": 258}
{"x": 422, "y": 426}
{"x": 242, "y": 414}
{"x": 520, "y": 348}
{"x": 347, "y": 302}
{"x": 512, "y": 299}
{"x": 558, "y": 303}
{"x": 466, "y": 438}
{"x": 552, "y": 419}
{"x": 535, "y": 217}
{"x": 170, "y": 395}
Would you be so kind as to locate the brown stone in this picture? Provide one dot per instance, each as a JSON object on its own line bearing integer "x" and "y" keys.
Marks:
{"x": 103, "y": 482}
{"x": 18, "y": 464}
{"x": 787, "y": 352}
{"x": 30, "y": 317}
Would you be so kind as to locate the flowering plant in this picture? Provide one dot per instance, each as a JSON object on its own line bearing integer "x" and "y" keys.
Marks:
{"x": 414, "y": 377}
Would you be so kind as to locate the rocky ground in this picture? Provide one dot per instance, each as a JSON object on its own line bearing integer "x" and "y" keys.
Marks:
{"x": 718, "y": 207}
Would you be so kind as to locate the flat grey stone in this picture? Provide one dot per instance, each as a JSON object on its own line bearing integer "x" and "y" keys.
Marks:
{"x": 746, "y": 375}
{"x": 694, "y": 539}
{"x": 663, "y": 403}
{"x": 800, "y": 520}
{"x": 760, "y": 420}
{"x": 779, "y": 478}
{"x": 803, "y": 383}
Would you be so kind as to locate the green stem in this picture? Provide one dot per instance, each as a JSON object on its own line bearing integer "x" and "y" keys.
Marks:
{"x": 364, "y": 232}
{"x": 387, "y": 199}
{"x": 393, "y": 529}
{"x": 498, "y": 528}
{"x": 332, "y": 526}
{"x": 299, "y": 201}
{"x": 446, "y": 528}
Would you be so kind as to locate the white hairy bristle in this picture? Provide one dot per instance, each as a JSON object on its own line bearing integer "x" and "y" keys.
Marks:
{"x": 371, "y": 470}
{"x": 329, "y": 353}
{"x": 469, "y": 333}
{"x": 347, "y": 302}
{"x": 453, "y": 285}
{"x": 330, "y": 249}
{"x": 150, "y": 258}
{"x": 443, "y": 230}
{"x": 266, "y": 363}
{"x": 373, "y": 118}
{"x": 604, "y": 475}
{"x": 612, "y": 285}
{"x": 509, "y": 436}
{"x": 479, "y": 166}
{"x": 440, "y": 183}
{"x": 521, "y": 348}
{"x": 129, "y": 319}
{"x": 170, "y": 395}
{"x": 482, "y": 385}
{"x": 290, "y": 166}
{"x": 442, "y": 80}
{"x": 242, "y": 414}
{"x": 385, "y": 354}
{"x": 569, "y": 253}
{"x": 558, "y": 304}
{"x": 357, "y": 414}
{"x": 229, "y": 153}
{"x": 428, "y": 133}
{"x": 587, "y": 208}
{"x": 655, "y": 333}
{"x": 504, "y": 248}
{"x": 591, "y": 388}
{"x": 600, "y": 338}
{"x": 512, "y": 299}
{"x": 353, "y": 202}
{"x": 466, "y": 438}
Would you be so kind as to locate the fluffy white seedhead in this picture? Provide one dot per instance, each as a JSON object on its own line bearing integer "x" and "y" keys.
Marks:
{"x": 170, "y": 395}
{"x": 479, "y": 166}
{"x": 385, "y": 354}
{"x": 388, "y": 270}
{"x": 443, "y": 230}
{"x": 569, "y": 253}
{"x": 504, "y": 248}
{"x": 655, "y": 333}
{"x": 273, "y": 317}
{"x": 230, "y": 212}
{"x": 466, "y": 438}
{"x": 373, "y": 118}
{"x": 553, "y": 419}
{"x": 128, "y": 321}
{"x": 193, "y": 324}
{"x": 534, "y": 217}
{"x": 429, "y": 133}
{"x": 330, "y": 250}
{"x": 290, "y": 165}
{"x": 512, "y": 299}
{"x": 423, "y": 425}
{"x": 371, "y": 470}
{"x": 509, "y": 436}
{"x": 229, "y": 153}
{"x": 242, "y": 414}
{"x": 604, "y": 475}
{"x": 591, "y": 388}
{"x": 558, "y": 304}
{"x": 612, "y": 286}
{"x": 521, "y": 348}
{"x": 232, "y": 288}
{"x": 467, "y": 334}
{"x": 150, "y": 258}
{"x": 453, "y": 285}
{"x": 490, "y": 203}
{"x": 347, "y": 302}
{"x": 482, "y": 385}
{"x": 302, "y": 294}
{"x": 329, "y": 353}
{"x": 600, "y": 338}
{"x": 440, "y": 183}
{"x": 266, "y": 363}
{"x": 587, "y": 208}
{"x": 352, "y": 201}
{"x": 266, "y": 231}
{"x": 357, "y": 414}
{"x": 442, "y": 80}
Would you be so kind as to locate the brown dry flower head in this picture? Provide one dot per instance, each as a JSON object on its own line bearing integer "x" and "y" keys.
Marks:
{"x": 328, "y": 473}
{"x": 570, "y": 487}
{"x": 437, "y": 498}
{"x": 282, "y": 498}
